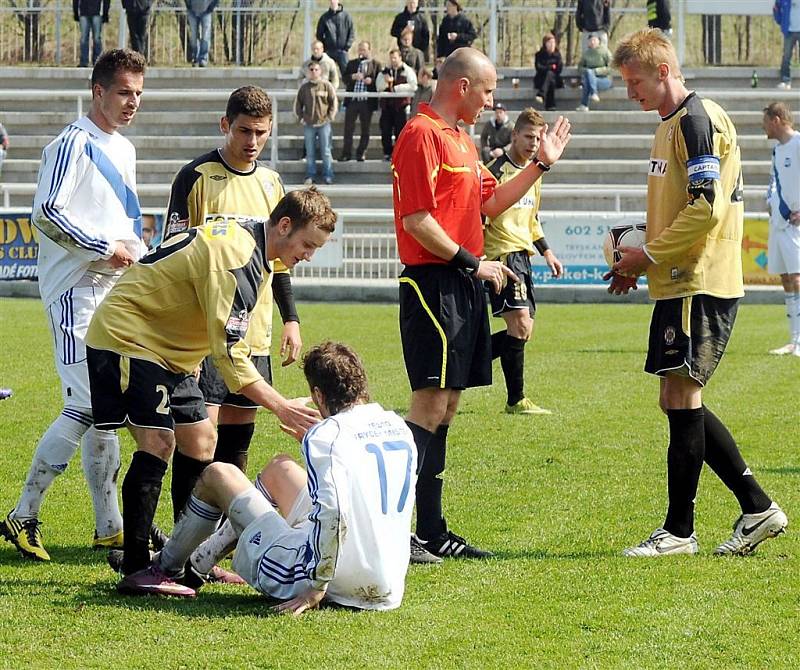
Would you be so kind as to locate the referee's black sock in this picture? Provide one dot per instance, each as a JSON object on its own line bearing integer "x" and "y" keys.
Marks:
{"x": 140, "y": 491}
{"x": 724, "y": 458}
{"x": 498, "y": 343}
{"x": 513, "y": 364}
{"x": 233, "y": 442}
{"x": 421, "y": 439}
{"x": 185, "y": 473}
{"x": 430, "y": 520}
{"x": 684, "y": 463}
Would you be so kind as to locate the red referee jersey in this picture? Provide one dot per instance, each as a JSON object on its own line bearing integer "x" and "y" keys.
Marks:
{"x": 436, "y": 168}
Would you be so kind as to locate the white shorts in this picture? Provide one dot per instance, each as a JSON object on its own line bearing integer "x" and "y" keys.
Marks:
{"x": 69, "y": 317}
{"x": 272, "y": 552}
{"x": 784, "y": 250}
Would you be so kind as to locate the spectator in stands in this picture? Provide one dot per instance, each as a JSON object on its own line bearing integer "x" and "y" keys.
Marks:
{"x": 327, "y": 66}
{"x": 659, "y": 16}
{"x": 787, "y": 16}
{"x": 496, "y": 134}
{"x": 87, "y": 14}
{"x": 594, "y": 69}
{"x": 315, "y": 106}
{"x": 548, "y": 66}
{"x": 3, "y": 146}
{"x": 455, "y": 30}
{"x": 593, "y": 16}
{"x": 425, "y": 88}
{"x": 411, "y": 56}
{"x": 138, "y": 15}
{"x": 411, "y": 19}
{"x": 335, "y": 31}
{"x": 360, "y": 76}
{"x": 397, "y": 77}
{"x": 198, "y": 16}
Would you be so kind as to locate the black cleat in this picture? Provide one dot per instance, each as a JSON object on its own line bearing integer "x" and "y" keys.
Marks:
{"x": 450, "y": 545}
{"x": 420, "y": 555}
{"x": 158, "y": 538}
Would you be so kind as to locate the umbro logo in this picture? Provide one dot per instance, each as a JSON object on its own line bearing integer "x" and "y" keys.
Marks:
{"x": 218, "y": 177}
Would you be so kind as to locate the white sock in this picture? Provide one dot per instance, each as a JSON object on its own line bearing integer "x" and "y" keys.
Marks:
{"x": 100, "y": 459}
{"x": 792, "y": 301}
{"x": 53, "y": 453}
{"x": 214, "y": 548}
{"x": 197, "y": 522}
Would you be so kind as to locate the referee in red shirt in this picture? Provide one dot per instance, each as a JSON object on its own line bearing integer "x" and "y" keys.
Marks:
{"x": 440, "y": 191}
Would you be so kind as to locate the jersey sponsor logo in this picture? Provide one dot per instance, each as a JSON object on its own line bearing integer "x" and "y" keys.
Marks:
{"x": 238, "y": 323}
{"x": 525, "y": 202}
{"x": 225, "y": 219}
{"x": 702, "y": 168}
{"x": 657, "y": 167}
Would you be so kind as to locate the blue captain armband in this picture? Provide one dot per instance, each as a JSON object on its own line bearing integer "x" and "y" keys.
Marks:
{"x": 702, "y": 168}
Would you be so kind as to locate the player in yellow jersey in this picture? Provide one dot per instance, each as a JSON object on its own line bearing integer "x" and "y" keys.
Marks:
{"x": 231, "y": 184}
{"x": 194, "y": 295}
{"x": 692, "y": 257}
{"x": 511, "y": 238}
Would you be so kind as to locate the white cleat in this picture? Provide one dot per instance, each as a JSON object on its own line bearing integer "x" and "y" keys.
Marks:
{"x": 664, "y": 543}
{"x": 750, "y": 530}
{"x": 784, "y": 86}
{"x": 785, "y": 350}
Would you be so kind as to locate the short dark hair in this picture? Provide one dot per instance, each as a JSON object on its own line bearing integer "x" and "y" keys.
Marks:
{"x": 337, "y": 371}
{"x": 779, "y": 110}
{"x": 305, "y": 206}
{"x": 114, "y": 61}
{"x": 455, "y": 3}
{"x": 250, "y": 100}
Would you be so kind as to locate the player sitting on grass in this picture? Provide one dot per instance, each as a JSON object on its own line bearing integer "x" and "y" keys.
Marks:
{"x": 341, "y": 528}
{"x": 511, "y": 238}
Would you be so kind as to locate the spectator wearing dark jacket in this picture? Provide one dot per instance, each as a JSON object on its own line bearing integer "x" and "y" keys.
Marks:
{"x": 360, "y": 76}
{"x": 455, "y": 30}
{"x": 88, "y": 15}
{"x": 138, "y": 14}
{"x": 785, "y": 13}
{"x": 411, "y": 56}
{"x": 335, "y": 31}
{"x": 659, "y": 16}
{"x": 397, "y": 77}
{"x": 198, "y": 16}
{"x": 593, "y": 17}
{"x": 548, "y": 66}
{"x": 411, "y": 19}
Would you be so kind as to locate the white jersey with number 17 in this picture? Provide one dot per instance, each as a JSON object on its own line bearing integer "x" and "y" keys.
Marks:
{"x": 361, "y": 480}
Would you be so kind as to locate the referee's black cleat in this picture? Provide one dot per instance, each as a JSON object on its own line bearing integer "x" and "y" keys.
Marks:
{"x": 420, "y": 555}
{"x": 450, "y": 545}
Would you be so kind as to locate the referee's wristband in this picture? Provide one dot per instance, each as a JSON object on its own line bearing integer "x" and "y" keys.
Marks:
{"x": 544, "y": 167}
{"x": 464, "y": 260}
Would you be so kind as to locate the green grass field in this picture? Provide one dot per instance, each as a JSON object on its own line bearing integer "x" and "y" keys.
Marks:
{"x": 555, "y": 497}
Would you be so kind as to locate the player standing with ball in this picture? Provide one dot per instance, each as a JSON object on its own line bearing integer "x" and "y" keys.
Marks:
{"x": 692, "y": 258}
{"x": 440, "y": 191}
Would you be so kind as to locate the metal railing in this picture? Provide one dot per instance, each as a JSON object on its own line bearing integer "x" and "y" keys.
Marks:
{"x": 255, "y": 32}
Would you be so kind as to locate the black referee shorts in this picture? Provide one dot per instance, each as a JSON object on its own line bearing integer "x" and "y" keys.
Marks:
{"x": 444, "y": 328}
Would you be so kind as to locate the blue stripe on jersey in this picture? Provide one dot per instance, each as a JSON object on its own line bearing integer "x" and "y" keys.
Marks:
{"x": 702, "y": 168}
{"x": 783, "y": 208}
{"x": 126, "y": 197}
{"x": 56, "y": 182}
{"x": 203, "y": 510}
{"x": 75, "y": 415}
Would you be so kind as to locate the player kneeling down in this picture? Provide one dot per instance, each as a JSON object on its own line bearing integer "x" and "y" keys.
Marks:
{"x": 341, "y": 527}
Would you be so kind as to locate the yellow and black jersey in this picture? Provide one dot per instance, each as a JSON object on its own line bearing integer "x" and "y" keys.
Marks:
{"x": 194, "y": 295}
{"x": 208, "y": 190}
{"x": 695, "y": 208}
{"x": 518, "y": 227}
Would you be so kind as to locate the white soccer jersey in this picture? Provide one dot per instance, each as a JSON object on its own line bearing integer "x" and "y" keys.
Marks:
{"x": 361, "y": 481}
{"x": 85, "y": 200}
{"x": 783, "y": 193}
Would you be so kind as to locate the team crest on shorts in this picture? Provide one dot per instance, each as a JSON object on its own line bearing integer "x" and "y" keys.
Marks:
{"x": 669, "y": 335}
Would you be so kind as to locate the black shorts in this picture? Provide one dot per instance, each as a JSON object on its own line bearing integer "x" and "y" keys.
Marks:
{"x": 214, "y": 390}
{"x": 688, "y": 335}
{"x": 141, "y": 393}
{"x": 514, "y": 295}
{"x": 444, "y": 328}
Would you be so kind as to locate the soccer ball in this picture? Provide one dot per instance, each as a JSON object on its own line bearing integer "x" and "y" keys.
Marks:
{"x": 622, "y": 236}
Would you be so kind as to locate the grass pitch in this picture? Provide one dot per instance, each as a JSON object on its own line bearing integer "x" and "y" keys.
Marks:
{"x": 555, "y": 497}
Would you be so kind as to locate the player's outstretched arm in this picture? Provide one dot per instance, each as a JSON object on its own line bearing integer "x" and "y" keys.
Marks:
{"x": 308, "y": 600}
{"x": 294, "y": 414}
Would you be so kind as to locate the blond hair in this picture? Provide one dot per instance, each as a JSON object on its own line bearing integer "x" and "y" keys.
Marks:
{"x": 529, "y": 117}
{"x": 649, "y": 48}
